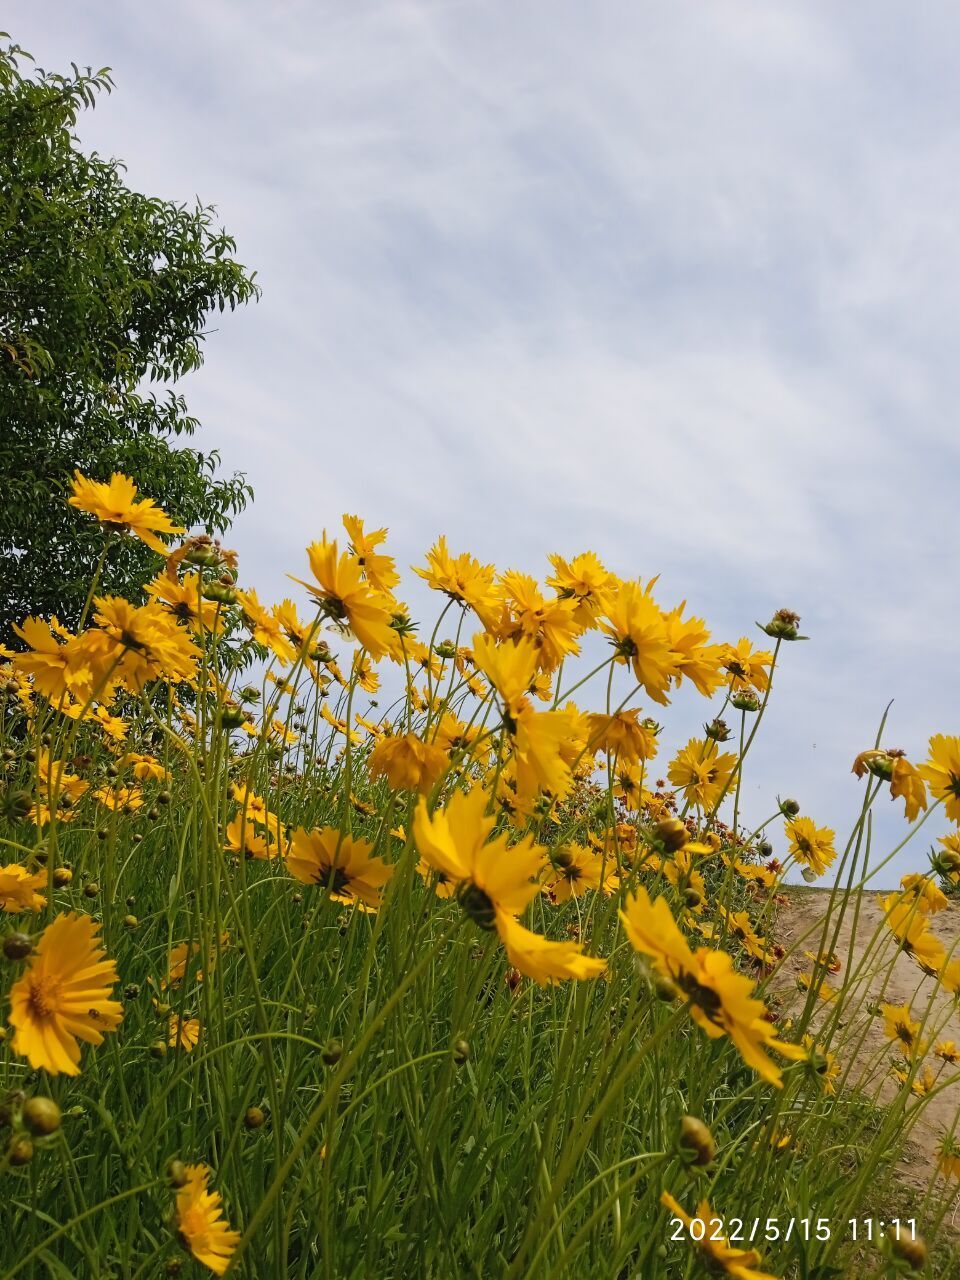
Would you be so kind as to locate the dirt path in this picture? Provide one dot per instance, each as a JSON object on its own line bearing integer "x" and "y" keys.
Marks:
{"x": 905, "y": 984}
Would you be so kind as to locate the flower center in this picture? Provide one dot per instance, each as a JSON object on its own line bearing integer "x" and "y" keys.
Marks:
{"x": 477, "y": 904}
{"x": 44, "y": 996}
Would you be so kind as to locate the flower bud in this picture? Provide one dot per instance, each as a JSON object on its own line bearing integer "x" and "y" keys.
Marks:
{"x": 692, "y": 897}
{"x": 41, "y": 1116}
{"x": 158, "y": 1049}
{"x": 665, "y": 988}
{"x": 765, "y": 849}
{"x": 332, "y": 1052}
{"x": 254, "y": 1118}
{"x": 17, "y": 946}
{"x": 62, "y": 876}
{"x": 20, "y": 1150}
{"x": 232, "y": 717}
{"x": 91, "y": 890}
{"x": 671, "y": 834}
{"x": 789, "y": 808}
{"x": 745, "y": 700}
{"x": 784, "y": 625}
{"x": 461, "y": 1052}
{"x": 718, "y": 730}
{"x": 130, "y": 922}
{"x": 176, "y": 1172}
{"x": 16, "y": 804}
{"x": 696, "y": 1141}
{"x": 221, "y": 592}
{"x": 131, "y": 991}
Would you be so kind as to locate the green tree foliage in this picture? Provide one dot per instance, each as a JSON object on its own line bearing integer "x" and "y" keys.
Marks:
{"x": 104, "y": 297}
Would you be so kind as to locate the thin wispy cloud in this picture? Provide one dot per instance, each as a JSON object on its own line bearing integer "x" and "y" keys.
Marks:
{"x": 676, "y": 283}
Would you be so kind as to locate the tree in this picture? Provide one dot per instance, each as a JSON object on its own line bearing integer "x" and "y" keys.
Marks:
{"x": 104, "y": 296}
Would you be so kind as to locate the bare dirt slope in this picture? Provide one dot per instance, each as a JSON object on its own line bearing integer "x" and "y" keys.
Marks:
{"x": 905, "y": 984}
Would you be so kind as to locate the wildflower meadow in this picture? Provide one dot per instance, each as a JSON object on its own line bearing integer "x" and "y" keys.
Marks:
{"x": 338, "y": 942}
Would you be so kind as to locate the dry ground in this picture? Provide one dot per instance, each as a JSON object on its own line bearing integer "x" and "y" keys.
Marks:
{"x": 805, "y": 908}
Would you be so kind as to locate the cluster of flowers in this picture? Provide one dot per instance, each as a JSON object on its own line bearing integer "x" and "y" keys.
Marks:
{"x": 487, "y": 752}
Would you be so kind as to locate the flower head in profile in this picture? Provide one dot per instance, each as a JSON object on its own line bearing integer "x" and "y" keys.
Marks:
{"x": 747, "y": 668}
{"x": 942, "y": 773}
{"x": 408, "y": 763}
{"x": 624, "y": 735}
{"x": 551, "y": 624}
{"x": 184, "y": 1033}
{"x": 640, "y": 637}
{"x": 378, "y": 569}
{"x": 57, "y": 661}
{"x": 812, "y": 846}
{"x": 349, "y": 599}
{"x": 902, "y": 1029}
{"x": 201, "y": 1223}
{"x": 115, "y": 505}
{"x": 911, "y": 928}
{"x": 465, "y": 580}
{"x": 64, "y": 996}
{"x": 345, "y": 866}
{"x": 583, "y": 580}
{"x": 720, "y": 1000}
{"x": 929, "y": 897}
{"x": 19, "y": 889}
{"x": 718, "y": 1255}
{"x": 906, "y": 781}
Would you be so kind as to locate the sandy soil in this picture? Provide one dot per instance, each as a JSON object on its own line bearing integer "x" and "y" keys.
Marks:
{"x": 803, "y": 909}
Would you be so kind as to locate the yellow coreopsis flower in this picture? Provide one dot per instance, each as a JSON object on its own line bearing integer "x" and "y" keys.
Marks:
{"x": 57, "y": 661}
{"x": 812, "y": 846}
{"x": 624, "y": 735}
{"x": 702, "y": 772}
{"x": 929, "y": 896}
{"x": 463, "y": 579}
{"x": 344, "y": 865}
{"x": 578, "y": 869}
{"x": 747, "y": 667}
{"x": 379, "y": 569}
{"x": 408, "y": 763}
{"x": 696, "y": 659}
{"x": 141, "y": 643}
{"x": 900, "y": 1027}
{"x": 640, "y": 637}
{"x": 349, "y": 599}
{"x": 720, "y": 1000}
{"x": 201, "y": 1222}
{"x": 266, "y": 626}
{"x": 551, "y": 624}
{"x": 942, "y": 773}
{"x": 184, "y": 599}
{"x": 184, "y": 1033}
{"x": 583, "y": 580}
{"x": 912, "y": 931}
{"x": 64, "y": 996}
{"x": 115, "y": 505}
{"x": 18, "y": 889}
{"x": 717, "y": 1254}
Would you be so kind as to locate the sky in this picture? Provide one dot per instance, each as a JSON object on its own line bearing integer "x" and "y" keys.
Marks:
{"x": 676, "y": 283}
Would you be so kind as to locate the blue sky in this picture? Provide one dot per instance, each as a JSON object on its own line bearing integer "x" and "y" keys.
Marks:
{"x": 677, "y": 283}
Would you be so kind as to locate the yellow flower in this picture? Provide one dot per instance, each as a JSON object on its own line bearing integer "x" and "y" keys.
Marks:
{"x": 18, "y": 889}
{"x": 720, "y": 1000}
{"x": 465, "y": 580}
{"x": 624, "y": 735}
{"x": 948, "y": 1158}
{"x": 812, "y": 846}
{"x": 266, "y": 626}
{"x": 201, "y": 1222}
{"x": 639, "y": 635}
{"x": 948, "y": 1051}
{"x": 184, "y": 1033}
{"x": 344, "y": 865}
{"x": 57, "y": 661}
{"x": 115, "y": 505}
{"x": 63, "y": 996}
{"x": 696, "y": 660}
{"x": 489, "y": 873}
{"x": 141, "y": 643}
{"x": 242, "y": 837}
{"x": 183, "y": 599}
{"x": 348, "y": 599}
{"x": 378, "y": 569}
{"x": 702, "y": 772}
{"x": 942, "y": 773}
{"x": 717, "y": 1254}
{"x": 551, "y": 625}
{"x": 907, "y": 781}
{"x": 909, "y": 926}
{"x": 583, "y": 580}
{"x": 579, "y": 869}
{"x": 747, "y": 667}
{"x": 899, "y": 1026}
{"x": 929, "y": 896}
{"x": 542, "y": 960}
{"x": 408, "y": 763}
